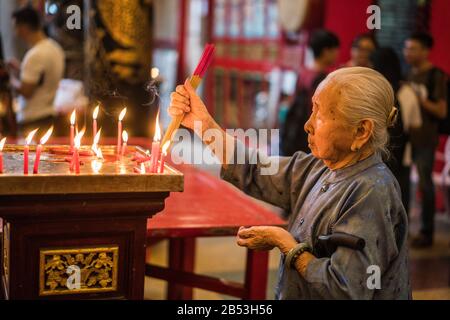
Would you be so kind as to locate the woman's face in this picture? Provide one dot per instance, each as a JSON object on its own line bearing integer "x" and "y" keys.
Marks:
{"x": 329, "y": 137}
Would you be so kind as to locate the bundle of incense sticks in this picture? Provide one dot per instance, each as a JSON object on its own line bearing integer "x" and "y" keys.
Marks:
{"x": 195, "y": 81}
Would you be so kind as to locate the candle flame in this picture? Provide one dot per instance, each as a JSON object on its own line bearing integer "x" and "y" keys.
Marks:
{"x": 47, "y": 135}
{"x": 31, "y": 135}
{"x": 154, "y": 73}
{"x": 125, "y": 136}
{"x": 165, "y": 147}
{"x": 2, "y": 144}
{"x": 142, "y": 168}
{"x": 122, "y": 114}
{"x": 73, "y": 117}
{"x": 97, "y": 138}
{"x": 157, "y": 136}
{"x": 95, "y": 113}
{"x": 77, "y": 140}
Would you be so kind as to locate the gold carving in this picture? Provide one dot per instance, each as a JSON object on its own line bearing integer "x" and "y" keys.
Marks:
{"x": 125, "y": 20}
{"x": 98, "y": 270}
{"x": 128, "y": 23}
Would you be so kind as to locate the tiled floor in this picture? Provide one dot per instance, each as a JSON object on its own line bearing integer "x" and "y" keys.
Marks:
{"x": 430, "y": 268}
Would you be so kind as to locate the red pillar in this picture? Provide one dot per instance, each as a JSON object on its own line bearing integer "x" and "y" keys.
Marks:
{"x": 256, "y": 274}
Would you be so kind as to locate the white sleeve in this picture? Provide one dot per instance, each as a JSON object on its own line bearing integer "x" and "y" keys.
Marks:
{"x": 31, "y": 69}
{"x": 410, "y": 107}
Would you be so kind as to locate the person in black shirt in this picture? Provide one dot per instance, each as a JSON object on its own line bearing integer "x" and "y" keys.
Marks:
{"x": 430, "y": 85}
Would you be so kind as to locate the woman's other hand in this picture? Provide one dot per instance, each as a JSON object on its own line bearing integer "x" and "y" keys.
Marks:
{"x": 266, "y": 238}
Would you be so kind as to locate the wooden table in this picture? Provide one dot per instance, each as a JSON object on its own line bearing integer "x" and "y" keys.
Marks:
{"x": 208, "y": 207}
{"x": 77, "y": 236}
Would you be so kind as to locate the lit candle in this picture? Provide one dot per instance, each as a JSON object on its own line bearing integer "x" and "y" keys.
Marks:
{"x": 156, "y": 147}
{"x": 125, "y": 140}
{"x": 26, "y": 150}
{"x": 2, "y": 144}
{"x": 94, "y": 121}
{"x": 73, "y": 117}
{"x": 43, "y": 140}
{"x": 119, "y": 129}
{"x": 76, "y": 156}
{"x": 95, "y": 147}
{"x": 163, "y": 156}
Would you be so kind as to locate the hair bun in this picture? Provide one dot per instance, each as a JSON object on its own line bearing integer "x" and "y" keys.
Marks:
{"x": 392, "y": 117}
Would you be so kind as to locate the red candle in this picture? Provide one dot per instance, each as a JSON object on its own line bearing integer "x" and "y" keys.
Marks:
{"x": 26, "y": 150}
{"x": 155, "y": 157}
{"x": 119, "y": 130}
{"x": 156, "y": 147}
{"x": 76, "y": 156}
{"x": 94, "y": 121}
{"x": 163, "y": 156}
{"x": 125, "y": 140}
{"x": 39, "y": 149}
{"x": 72, "y": 128}
{"x": 37, "y": 158}
{"x": 2, "y": 144}
{"x": 76, "y": 160}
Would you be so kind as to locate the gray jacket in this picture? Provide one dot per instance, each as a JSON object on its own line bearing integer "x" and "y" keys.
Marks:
{"x": 362, "y": 200}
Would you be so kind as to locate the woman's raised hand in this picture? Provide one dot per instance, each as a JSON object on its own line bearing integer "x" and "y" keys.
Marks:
{"x": 185, "y": 101}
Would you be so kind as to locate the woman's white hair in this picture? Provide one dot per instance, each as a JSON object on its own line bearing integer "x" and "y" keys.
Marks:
{"x": 365, "y": 94}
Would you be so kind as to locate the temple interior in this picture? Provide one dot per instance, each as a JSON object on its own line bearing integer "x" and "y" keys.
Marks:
{"x": 116, "y": 119}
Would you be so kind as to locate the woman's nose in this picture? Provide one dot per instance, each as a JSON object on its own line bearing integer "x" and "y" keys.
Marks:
{"x": 308, "y": 127}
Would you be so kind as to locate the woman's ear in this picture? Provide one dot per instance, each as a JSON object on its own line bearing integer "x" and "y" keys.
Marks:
{"x": 363, "y": 134}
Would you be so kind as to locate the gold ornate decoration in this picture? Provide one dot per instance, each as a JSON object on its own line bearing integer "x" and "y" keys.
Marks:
{"x": 98, "y": 270}
{"x": 127, "y": 22}
{"x": 122, "y": 19}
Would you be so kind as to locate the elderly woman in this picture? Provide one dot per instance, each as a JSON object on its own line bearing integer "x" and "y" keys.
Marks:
{"x": 342, "y": 187}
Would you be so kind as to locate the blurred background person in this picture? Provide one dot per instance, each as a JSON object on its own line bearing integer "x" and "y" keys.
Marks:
{"x": 387, "y": 62}
{"x": 37, "y": 77}
{"x": 362, "y": 47}
{"x": 7, "y": 117}
{"x": 430, "y": 85}
{"x": 325, "y": 47}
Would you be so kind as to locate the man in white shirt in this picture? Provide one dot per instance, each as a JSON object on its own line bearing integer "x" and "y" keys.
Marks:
{"x": 37, "y": 78}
